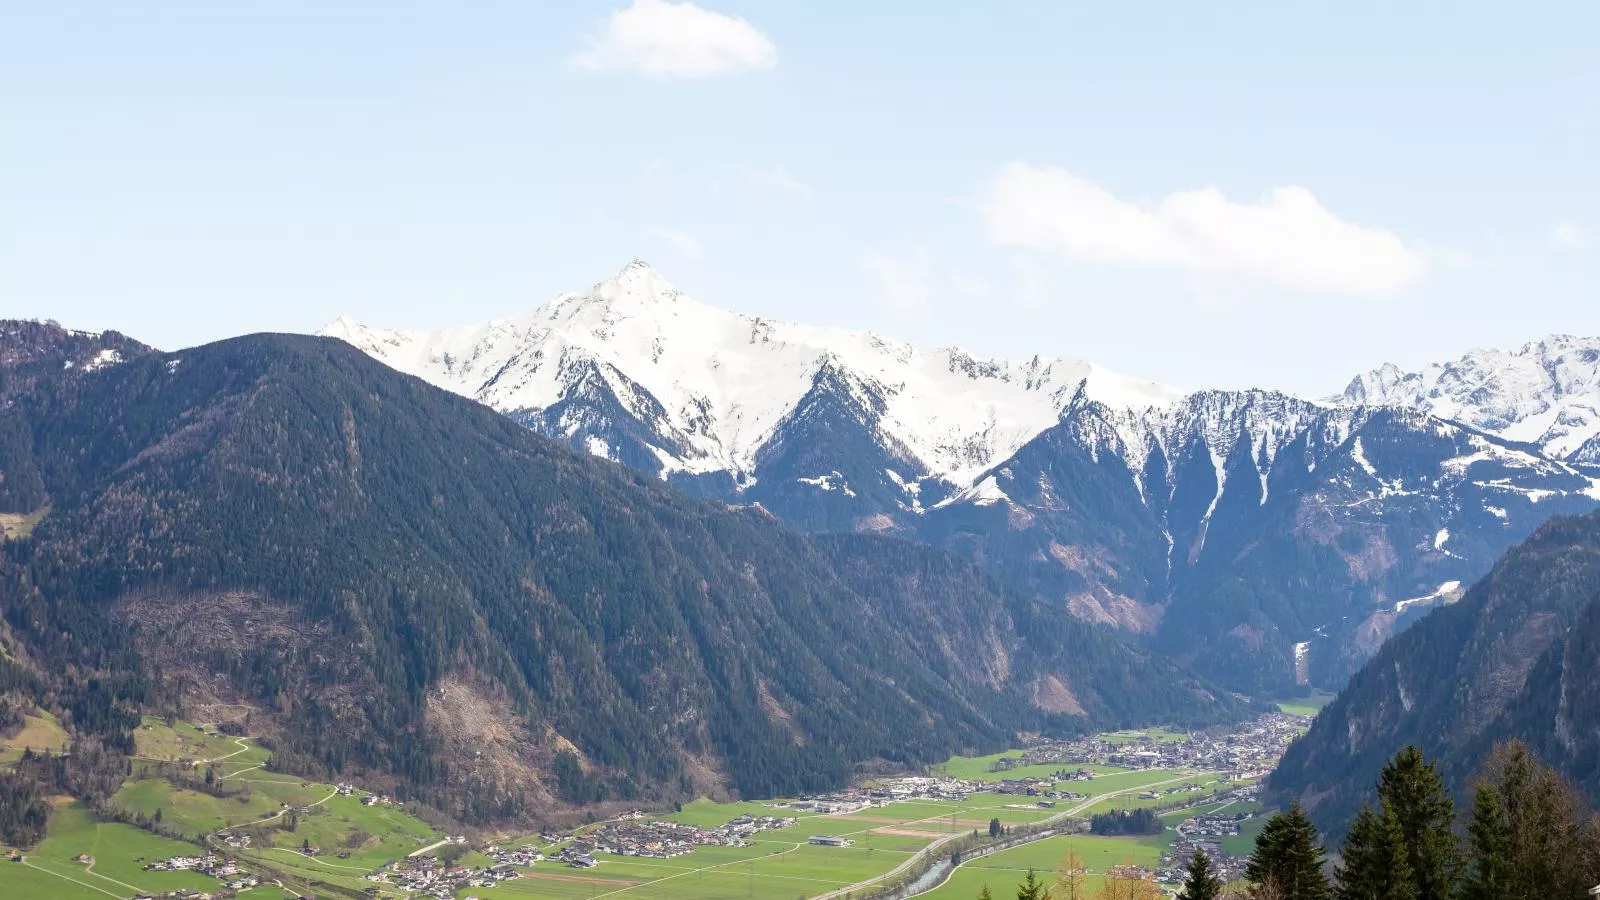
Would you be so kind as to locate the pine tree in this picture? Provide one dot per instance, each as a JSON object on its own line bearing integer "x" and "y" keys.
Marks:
{"x": 1031, "y": 889}
{"x": 1201, "y": 883}
{"x": 994, "y": 828}
{"x": 1288, "y": 859}
{"x": 1413, "y": 793}
{"x": 984, "y": 894}
{"x": 1545, "y": 837}
{"x": 1488, "y": 875}
{"x": 1375, "y": 862}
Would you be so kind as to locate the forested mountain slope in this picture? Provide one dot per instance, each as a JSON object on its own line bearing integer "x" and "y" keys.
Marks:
{"x": 390, "y": 578}
{"x": 1519, "y": 656}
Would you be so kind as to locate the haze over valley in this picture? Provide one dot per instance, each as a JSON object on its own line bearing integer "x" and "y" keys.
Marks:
{"x": 1054, "y": 451}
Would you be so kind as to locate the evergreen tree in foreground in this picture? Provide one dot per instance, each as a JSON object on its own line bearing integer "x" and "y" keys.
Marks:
{"x": 1288, "y": 860}
{"x": 984, "y": 894}
{"x": 1550, "y": 845}
{"x": 1031, "y": 889}
{"x": 1413, "y": 794}
{"x": 1488, "y": 877}
{"x": 1201, "y": 883}
{"x": 1375, "y": 863}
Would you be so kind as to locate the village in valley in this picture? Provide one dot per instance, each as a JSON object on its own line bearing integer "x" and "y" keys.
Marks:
{"x": 269, "y": 835}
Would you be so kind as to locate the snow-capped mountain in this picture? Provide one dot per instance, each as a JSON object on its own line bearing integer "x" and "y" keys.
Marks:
{"x": 1546, "y": 393}
{"x": 715, "y": 388}
{"x": 1261, "y": 537}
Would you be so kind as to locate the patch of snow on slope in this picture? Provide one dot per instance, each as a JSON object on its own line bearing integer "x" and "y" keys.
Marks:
{"x": 986, "y": 492}
{"x": 1359, "y": 454}
{"x": 832, "y": 481}
{"x": 106, "y": 357}
{"x": 1443, "y": 591}
{"x": 1439, "y": 541}
{"x": 1222, "y": 483}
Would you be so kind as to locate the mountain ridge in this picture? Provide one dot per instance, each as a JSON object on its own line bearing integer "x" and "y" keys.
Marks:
{"x": 1127, "y": 502}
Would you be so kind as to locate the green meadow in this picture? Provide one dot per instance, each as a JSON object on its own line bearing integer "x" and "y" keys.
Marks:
{"x": 1307, "y": 706}
{"x": 119, "y": 854}
{"x": 40, "y": 732}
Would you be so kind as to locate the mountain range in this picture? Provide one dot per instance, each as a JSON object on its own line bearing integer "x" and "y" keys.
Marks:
{"x": 388, "y": 580}
{"x": 1267, "y": 540}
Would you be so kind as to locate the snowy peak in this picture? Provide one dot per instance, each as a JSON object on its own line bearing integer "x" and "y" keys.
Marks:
{"x": 1545, "y": 393}
{"x": 712, "y": 387}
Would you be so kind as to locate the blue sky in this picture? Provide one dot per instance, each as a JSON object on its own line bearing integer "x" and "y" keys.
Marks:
{"x": 1223, "y": 194}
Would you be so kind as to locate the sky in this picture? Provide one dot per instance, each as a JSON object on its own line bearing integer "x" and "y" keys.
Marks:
{"x": 1230, "y": 194}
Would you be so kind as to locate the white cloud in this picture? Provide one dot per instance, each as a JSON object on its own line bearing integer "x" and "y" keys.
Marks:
{"x": 776, "y": 177}
{"x": 681, "y": 241}
{"x": 905, "y": 283}
{"x": 664, "y": 39}
{"x": 1287, "y": 238}
{"x": 1568, "y": 236}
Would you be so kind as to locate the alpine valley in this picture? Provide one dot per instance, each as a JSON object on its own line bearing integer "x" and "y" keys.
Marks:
{"x": 1266, "y": 541}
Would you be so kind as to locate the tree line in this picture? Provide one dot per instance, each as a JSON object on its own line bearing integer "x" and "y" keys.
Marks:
{"x": 1125, "y": 821}
{"x": 1528, "y": 834}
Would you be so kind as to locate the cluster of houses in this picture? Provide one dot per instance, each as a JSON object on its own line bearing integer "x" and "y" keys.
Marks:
{"x": 524, "y": 856}
{"x": 1248, "y": 751}
{"x": 664, "y": 840}
{"x": 923, "y": 787}
{"x": 235, "y": 839}
{"x": 883, "y": 791}
{"x": 1212, "y": 825}
{"x": 1175, "y": 861}
{"x": 428, "y": 877}
{"x": 1037, "y": 787}
{"x": 208, "y": 864}
{"x": 846, "y": 801}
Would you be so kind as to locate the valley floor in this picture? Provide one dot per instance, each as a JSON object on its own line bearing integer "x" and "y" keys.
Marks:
{"x": 356, "y": 834}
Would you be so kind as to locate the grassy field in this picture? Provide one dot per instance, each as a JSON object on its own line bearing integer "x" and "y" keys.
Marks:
{"x": 1308, "y": 706}
{"x": 1004, "y": 870}
{"x": 1159, "y": 735}
{"x": 155, "y": 739}
{"x": 366, "y": 836}
{"x": 780, "y": 865}
{"x": 20, "y": 525}
{"x": 119, "y": 853}
{"x": 188, "y": 811}
{"x": 40, "y": 732}
{"x": 371, "y": 835}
